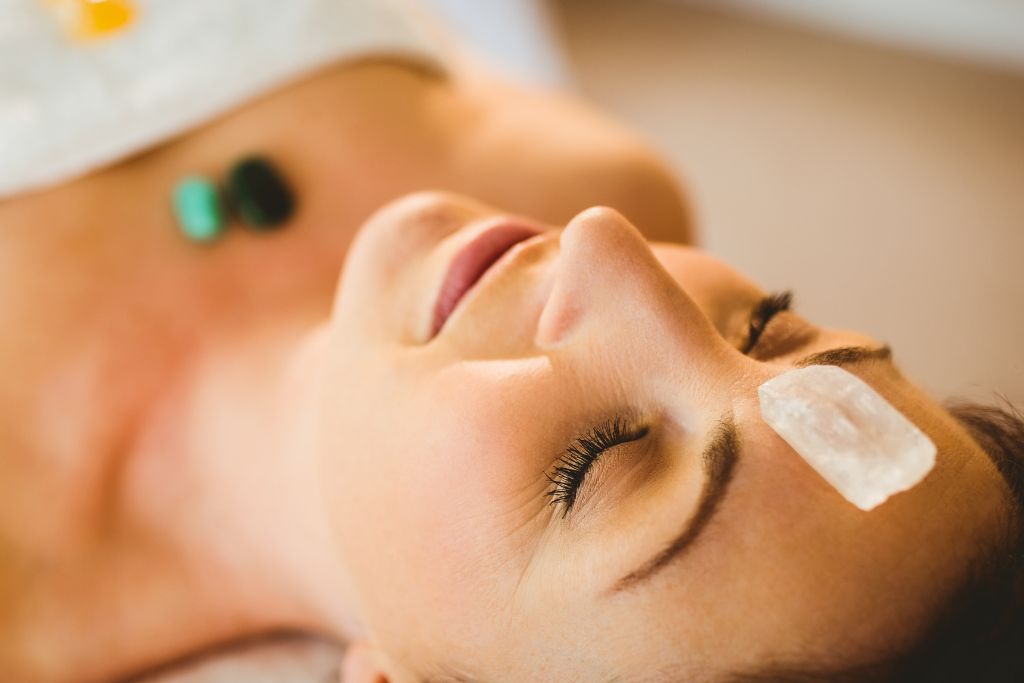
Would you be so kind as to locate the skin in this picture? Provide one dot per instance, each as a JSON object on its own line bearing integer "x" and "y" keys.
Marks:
{"x": 458, "y": 565}
{"x": 201, "y": 446}
{"x": 134, "y": 519}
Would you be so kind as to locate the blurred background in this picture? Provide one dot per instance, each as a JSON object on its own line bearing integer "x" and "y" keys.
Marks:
{"x": 867, "y": 154}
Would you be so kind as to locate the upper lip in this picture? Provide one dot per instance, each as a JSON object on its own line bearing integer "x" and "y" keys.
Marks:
{"x": 475, "y": 258}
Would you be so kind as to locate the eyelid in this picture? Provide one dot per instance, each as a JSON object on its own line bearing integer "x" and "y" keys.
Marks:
{"x": 619, "y": 473}
{"x": 761, "y": 316}
{"x": 787, "y": 334}
{"x": 573, "y": 467}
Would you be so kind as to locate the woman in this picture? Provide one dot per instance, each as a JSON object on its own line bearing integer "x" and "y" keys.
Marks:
{"x": 391, "y": 475}
{"x": 113, "y": 314}
{"x": 464, "y": 562}
{"x": 205, "y": 443}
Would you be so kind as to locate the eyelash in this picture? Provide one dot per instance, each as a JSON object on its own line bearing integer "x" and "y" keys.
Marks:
{"x": 766, "y": 309}
{"x": 572, "y": 467}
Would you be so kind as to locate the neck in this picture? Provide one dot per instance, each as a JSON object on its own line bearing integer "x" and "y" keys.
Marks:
{"x": 258, "y": 530}
{"x": 308, "y": 562}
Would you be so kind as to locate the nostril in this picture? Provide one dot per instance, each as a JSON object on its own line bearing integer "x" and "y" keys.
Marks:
{"x": 604, "y": 263}
{"x": 560, "y": 315}
{"x": 591, "y": 245}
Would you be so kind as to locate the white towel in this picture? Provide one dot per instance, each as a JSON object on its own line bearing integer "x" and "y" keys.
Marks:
{"x": 68, "y": 106}
{"x": 285, "y": 659}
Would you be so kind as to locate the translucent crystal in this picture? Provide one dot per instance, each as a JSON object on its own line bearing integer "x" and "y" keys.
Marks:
{"x": 847, "y": 432}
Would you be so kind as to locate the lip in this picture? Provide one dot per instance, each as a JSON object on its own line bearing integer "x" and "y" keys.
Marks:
{"x": 473, "y": 261}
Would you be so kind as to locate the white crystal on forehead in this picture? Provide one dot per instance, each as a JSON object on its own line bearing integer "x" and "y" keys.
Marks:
{"x": 847, "y": 432}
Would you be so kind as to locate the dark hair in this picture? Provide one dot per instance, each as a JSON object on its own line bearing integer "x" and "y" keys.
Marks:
{"x": 978, "y": 635}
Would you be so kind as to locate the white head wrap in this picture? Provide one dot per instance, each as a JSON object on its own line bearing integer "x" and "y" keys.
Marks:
{"x": 69, "y": 105}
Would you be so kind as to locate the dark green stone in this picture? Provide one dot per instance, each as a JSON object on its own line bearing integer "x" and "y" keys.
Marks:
{"x": 260, "y": 194}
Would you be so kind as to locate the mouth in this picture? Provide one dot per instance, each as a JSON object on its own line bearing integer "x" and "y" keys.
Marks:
{"x": 472, "y": 261}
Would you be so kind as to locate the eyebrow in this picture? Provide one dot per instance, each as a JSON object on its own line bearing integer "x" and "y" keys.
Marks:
{"x": 845, "y": 355}
{"x": 719, "y": 463}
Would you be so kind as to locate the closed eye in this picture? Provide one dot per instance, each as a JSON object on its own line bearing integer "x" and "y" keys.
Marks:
{"x": 570, "y": 471}
{"x": 572, "y": 467}
{"x": 766, "y": 309}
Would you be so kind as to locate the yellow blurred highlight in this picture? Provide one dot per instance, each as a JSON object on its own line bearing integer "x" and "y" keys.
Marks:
{"x": 92, "y": 19}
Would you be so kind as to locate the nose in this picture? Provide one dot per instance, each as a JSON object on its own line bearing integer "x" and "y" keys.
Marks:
{"x": 607, "y": 278}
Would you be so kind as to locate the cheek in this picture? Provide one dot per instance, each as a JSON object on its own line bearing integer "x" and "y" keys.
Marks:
{"x": 434, "y": 484}
{"x": 476, "y": 476}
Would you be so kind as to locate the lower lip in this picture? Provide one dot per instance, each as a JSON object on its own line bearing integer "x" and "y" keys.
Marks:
{"x": 470, "y": 264}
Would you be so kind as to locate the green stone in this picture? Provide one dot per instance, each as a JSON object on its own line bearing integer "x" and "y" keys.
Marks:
{"x": 259, "y": 193}
{"x": 197, "y": 208}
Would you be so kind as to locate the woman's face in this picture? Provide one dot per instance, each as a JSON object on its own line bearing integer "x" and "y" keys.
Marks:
{"x": 701, "y": 543}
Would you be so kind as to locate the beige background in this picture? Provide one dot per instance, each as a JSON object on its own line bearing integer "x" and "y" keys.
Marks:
{"x": 884, "y": 187}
